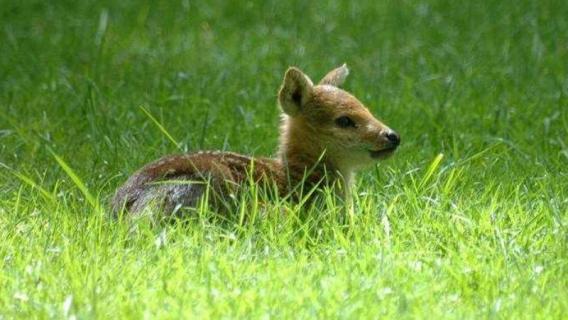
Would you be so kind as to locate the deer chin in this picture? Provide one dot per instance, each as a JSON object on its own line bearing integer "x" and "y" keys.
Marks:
{"x": 382, "y": 153}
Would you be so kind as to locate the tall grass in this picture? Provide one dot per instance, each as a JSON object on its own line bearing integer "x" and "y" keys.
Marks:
{"x": 467, "y": 220}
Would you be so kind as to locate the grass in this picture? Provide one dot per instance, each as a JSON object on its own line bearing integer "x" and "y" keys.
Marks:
{"x": 90, "y": 91}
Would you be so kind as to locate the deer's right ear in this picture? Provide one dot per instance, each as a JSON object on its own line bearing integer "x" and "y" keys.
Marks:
{"x": 295, "y": 91}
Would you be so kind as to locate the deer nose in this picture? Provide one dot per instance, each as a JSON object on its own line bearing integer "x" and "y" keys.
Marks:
{"x": 393, "y": 137}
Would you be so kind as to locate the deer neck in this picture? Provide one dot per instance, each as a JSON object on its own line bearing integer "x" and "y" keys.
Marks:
{"x": 302, "y": 154}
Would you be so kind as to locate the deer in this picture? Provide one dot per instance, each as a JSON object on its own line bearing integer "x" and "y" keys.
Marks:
{"x": 326, "y": 136}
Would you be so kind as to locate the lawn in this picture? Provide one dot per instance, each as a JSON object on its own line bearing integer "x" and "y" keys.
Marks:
{"x": 468, "y": 219}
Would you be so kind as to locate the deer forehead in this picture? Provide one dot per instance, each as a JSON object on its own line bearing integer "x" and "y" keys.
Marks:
{"x": 328, "y": 88}
{"x": 333, "y": 98}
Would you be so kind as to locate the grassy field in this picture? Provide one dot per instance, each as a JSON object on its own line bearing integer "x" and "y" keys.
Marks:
{"x": 468, "y": 220}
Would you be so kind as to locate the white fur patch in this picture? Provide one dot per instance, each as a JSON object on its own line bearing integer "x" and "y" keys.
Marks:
{"x": 371, "y": 127}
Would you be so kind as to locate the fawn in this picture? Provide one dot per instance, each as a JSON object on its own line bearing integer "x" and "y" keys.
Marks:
{"x": 326, "y": 135}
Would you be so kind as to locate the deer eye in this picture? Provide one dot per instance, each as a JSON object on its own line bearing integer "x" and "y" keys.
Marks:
{"x": 345, "y": 122}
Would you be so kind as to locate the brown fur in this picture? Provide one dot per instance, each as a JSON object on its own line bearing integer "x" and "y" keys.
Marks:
{"x": 314, "y": 150}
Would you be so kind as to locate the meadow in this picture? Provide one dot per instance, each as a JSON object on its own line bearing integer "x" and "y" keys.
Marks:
{"x": 467, "y": 220}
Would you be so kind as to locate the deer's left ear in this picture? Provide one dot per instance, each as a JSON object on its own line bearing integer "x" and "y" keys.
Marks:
{"x": 336, "y": 77}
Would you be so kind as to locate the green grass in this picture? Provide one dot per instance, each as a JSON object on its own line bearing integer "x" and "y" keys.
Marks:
{"x": 92, "y": 90}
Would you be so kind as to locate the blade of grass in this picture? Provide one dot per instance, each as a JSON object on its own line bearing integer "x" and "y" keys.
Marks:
{"x": 431, "y": 169}
{"x": 29, "y": 181}
{"x": 76, "y": 180}
{"x": 161, "y": 127}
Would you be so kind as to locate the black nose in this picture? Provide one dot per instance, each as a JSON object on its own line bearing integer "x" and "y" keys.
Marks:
{"x": 393, "y": 138}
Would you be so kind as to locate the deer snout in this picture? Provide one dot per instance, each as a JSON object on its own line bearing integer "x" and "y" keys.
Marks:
{"x": 392, "y": 138}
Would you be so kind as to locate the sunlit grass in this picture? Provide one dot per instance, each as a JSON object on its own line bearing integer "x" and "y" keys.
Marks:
{"x": 467, "y": 220}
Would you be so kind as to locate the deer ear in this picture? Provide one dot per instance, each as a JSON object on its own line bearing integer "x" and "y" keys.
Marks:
{"x": 336, "y": 77}
{"x": 295, "y": 91}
